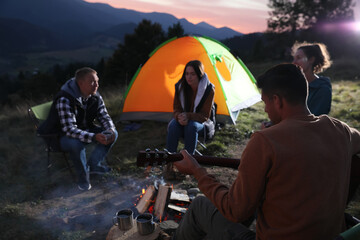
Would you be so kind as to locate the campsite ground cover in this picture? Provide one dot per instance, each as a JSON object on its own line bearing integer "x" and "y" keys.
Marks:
{"x": 34, "y": 206}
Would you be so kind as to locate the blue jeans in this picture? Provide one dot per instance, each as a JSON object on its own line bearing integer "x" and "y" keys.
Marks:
{"x": 190, "y": 132}
{"x": 77, "y": 152}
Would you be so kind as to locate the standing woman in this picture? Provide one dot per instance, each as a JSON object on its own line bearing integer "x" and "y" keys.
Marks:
{"x": 314, "y": 59}
{"x": 194, "y": 97}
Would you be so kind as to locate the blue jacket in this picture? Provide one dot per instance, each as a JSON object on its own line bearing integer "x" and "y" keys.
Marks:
{"x": 320, "y": 93}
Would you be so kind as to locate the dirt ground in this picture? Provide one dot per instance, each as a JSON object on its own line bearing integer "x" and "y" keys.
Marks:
{"x": 64, "y": 212}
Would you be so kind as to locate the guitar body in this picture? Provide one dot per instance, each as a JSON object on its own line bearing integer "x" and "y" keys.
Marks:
{"x": 151, "y": 158}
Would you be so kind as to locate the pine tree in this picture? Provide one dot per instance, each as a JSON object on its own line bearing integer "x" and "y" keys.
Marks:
{"x": 176, "y": 30}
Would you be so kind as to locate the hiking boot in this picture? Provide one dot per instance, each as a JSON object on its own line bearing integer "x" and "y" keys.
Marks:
{"x": 84, "y": 186}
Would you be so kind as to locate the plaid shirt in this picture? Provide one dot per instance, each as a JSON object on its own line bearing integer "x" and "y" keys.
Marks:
{"x": 68, "y": 120}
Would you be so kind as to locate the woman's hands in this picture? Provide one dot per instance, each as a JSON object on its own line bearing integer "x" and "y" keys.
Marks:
{"x": 182, "y": 119}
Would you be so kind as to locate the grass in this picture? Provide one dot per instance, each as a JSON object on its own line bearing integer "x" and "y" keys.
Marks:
{"x": 23, "y": 176}
{"x": 346, "y": 102}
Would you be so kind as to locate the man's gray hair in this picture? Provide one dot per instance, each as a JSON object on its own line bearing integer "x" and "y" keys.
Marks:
{"x": 82, "y": 72}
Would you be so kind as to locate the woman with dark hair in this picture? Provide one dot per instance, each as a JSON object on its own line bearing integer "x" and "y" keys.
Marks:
{"x": 314, "y": 59}
{"x": 194, "y": 97}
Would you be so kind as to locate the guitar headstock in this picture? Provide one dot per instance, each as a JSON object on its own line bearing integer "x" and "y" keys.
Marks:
{"x": 156, "y": 157}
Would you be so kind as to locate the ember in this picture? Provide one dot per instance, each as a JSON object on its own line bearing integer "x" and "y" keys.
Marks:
{"x": 163, "y": 202}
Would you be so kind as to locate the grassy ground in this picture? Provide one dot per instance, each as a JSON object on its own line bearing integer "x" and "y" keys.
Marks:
{"x": 29, "y": 198}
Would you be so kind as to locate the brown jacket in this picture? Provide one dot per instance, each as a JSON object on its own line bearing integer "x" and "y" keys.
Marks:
{"x": 296, "y": 175}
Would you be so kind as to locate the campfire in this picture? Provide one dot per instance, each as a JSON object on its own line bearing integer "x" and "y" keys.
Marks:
{"x": 166, "y": 204}
{"x": 163, "y": 202}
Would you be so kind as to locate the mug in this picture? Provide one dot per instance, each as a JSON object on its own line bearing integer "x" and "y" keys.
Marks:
{"x": 145, "y": 224}
{"x": 124, "y": 219}
{"x": 108, "y": 134}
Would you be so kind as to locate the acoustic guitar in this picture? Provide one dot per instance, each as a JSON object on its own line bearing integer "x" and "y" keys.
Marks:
{"x": 153, "y": 158}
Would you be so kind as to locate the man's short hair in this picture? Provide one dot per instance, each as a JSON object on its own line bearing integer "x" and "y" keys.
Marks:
{"x": 82, "y": 72}
{"x": 285, "y": 80}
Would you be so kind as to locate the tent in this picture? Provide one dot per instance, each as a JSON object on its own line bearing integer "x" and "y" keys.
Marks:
{"x": 151, "y": 91}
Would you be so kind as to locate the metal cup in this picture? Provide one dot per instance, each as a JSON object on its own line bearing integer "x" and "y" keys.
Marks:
{"x": 108, "y": 134}
{"x": 124, "y": 219}
{"x": 145, "y": 224}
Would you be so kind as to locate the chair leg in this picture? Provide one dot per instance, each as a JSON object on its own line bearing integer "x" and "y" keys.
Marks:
{"x": 68, "y": 166}
{"x": 201, "y": 144}
{"x": 197, "y": 152}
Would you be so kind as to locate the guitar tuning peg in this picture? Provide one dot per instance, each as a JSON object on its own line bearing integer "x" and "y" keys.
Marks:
{"x": 166, "y": 153}
{"x": 147, "y": 151}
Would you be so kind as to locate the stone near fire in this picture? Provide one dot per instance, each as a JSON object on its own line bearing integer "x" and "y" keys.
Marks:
{"x": 179, "y": 195}
{"x": 169, "y": 226}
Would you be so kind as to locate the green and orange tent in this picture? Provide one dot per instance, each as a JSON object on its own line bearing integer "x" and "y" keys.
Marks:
{"x": 152, "y": 89}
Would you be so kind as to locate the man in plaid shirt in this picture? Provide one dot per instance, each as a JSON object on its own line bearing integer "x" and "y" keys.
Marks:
{"x": 74, "y": 110}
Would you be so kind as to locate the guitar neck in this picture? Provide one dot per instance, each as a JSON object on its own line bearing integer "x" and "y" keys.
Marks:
{"x": 217, "y": 161}
{"x": 151, "y": 158}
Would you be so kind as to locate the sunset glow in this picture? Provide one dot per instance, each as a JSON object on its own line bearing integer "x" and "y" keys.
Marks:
{"x": 240, "y": 15}
{"x": 357, "y": 26}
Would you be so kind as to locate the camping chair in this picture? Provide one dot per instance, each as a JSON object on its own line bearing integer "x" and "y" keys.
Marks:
{"x": 201, "y": 142}
{"x": 350, "y": 234}
{"x": 39, "y": 114}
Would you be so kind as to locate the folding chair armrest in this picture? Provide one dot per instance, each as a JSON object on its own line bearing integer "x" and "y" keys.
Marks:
{"x": 352, "y": 233}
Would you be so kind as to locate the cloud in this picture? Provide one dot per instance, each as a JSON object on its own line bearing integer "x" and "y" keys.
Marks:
{"x": 240, "y": 15}
{"x": 204, "y": 4}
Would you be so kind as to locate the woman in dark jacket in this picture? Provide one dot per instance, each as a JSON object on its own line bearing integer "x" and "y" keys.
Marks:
{"x": 314, "y": 59}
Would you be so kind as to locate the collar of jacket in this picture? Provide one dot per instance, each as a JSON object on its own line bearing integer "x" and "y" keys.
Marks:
{"x": 72, "y": 88}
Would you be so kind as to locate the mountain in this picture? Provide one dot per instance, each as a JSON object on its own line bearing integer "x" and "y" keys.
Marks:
{"x": 110, "y": 38}
{"x": 119, "y": 31}
{"x": 72, "y": 21}
{"x": 21, "y": 36}
{"x": 205, "y": 25}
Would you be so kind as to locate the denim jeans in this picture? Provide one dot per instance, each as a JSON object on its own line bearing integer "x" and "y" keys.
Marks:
{"x": 190, "y": 133}
{"x": 77, "y": 152}
{"x": 203, "y": 219}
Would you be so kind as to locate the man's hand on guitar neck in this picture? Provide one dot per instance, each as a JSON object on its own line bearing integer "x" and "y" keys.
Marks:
{"x": 188, "y": 165}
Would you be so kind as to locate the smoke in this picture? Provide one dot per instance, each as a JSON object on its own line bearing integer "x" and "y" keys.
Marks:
{"x": 67, "y": 210}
